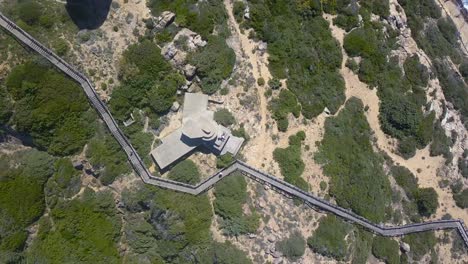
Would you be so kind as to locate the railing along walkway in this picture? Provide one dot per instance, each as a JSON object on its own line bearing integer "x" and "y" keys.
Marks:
{"x": 237, "y": 165}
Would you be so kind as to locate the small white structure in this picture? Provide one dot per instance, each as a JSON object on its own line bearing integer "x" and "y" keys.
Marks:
{"x": 198, "y": 129}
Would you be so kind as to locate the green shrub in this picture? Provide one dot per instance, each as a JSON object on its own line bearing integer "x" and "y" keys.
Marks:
{"x": 406, "y": 179}
{"x": 329, "y": 238}
{"x": 292, "y": 247}
{"x": 310, "y": 61}
{"x": 386, "y": 249}
{"x": 238, "y": 10}
{"x": 420, "y": 244}
{"x": 357, "y": 179}
{"x": 352, "y": 65}
{"x": 260, "y": 81}
{"x": 185, "y": 171}
{"x": 231, "y": 195}
{"x": 86, "y": 229}
{"x": 461, "y": 199}
{"x": 22, "y": 201}
{"x": 427, "y": 201}
{"x": 107, "y": 157}
{"x": 214, "y": 64}
{"x": 290, "y": 161}
{"x": 51, "y": 108}
{"x": 224, "y": 117}
{"x": 225, "y": 253}
{"x": 281, "y": 107}
{"x": 224, "y": 160}
{"x": 275, "y": 83}
{"x": 30, "y": 12}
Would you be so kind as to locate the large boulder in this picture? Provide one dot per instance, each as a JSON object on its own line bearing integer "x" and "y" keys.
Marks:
{"x": 165, "y": 19}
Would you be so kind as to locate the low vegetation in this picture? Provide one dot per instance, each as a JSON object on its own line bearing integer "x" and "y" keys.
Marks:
{"x": 290, "y": 161}
{"x": 231, "y": 195}
{"x": 329, "y": 238}
{"x": 420, "y": 244}
{"x": 386, "y": 249}
{"x": 224, "y": 117}
{"x": 50, "y": 108}
{"x": 79, "y": 230}
{"x": 310, "y": 61}
{"x": 292, "y": 247}
{"x": 185, "y": 171}
{"x": 167, "y": 226}
{"x": 426, "y": 199}
{"x": 281, "y": 107}
{"x": 357, "y": 179}
{"x": 214, "y": 63}
{"x": 22, "y": 179}
{"x": 106, "y": 157}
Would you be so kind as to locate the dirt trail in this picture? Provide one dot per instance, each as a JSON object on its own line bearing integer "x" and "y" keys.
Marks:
{"x": 259, "y": 69}
{"x": 423, "y": 166}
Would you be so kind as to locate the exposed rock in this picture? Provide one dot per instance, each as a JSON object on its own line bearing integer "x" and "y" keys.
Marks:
{"x": 164, "y": 20}
{"x": 252, "y": 236}
{"x": 175, "y": 107}
{"x": 271, "y": 239}
{"x": 247, "y": 12}
{"x": 262, "y": 46}
{"x": 276, "y": 254}
{"x": 405, "y": 247}
{"x": 189, "y": 71}
{"x": 261, "y": 204}
{"x": 169, "y": 52}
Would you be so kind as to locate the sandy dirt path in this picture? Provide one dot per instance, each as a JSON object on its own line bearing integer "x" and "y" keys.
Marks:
{"x": 259, "y": 64}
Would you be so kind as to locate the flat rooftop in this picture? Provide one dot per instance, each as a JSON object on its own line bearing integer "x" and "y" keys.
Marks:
{"x": 198, "y": 129}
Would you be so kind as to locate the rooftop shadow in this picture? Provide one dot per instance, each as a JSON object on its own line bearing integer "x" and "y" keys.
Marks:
{"x": 88, "y": 14}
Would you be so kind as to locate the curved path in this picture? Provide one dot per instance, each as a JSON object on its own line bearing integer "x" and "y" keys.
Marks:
{"x": 237, "y": 165}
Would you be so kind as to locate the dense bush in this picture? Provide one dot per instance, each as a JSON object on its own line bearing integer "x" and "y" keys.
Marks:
{"x": 438, "y": 38}
{"x": 420, "y": 244}
{"x": 231, "y": 195}
{"x": 290, "y": 161}
{"x": 79, "y": 230}
{"x": 357, "y": 179}
{"x": 50, "y": 108}
{"x": 463, "y": 164}
{"x": 329, "y": 238}
{"x": 22, "y": 179}
{"x": 176, "y": 226}
{"x": 148, "y": 81}
{"x": 281, "y": 107}
{"x": 292, "y": 247}
{"x": 225, "y": 253}
{"x": 224, "y": 160}
{"x": 214, "y": 63}
{"x": 461, "y": 199}
{"x": 106, "y": 157}
{"x": 427, "y": 201}
{"x": 310, "y": 61}
{"x": 224, "y": 117}
{"x": 386, "y": 249}
{"x": 185, "y": 171}
{"x": 406, "y": 179}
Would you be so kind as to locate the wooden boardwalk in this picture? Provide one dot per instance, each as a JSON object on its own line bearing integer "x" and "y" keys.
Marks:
{"x": 237, "y": 165}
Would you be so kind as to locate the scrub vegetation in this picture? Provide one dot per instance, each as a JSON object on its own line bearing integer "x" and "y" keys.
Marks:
{"x": 290, "y": 161}
{"x": 357, "y": 179}
{"x": 310, "y": 61}
{"x": 231, "y": 196}
{"x": 50, "y": 108}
